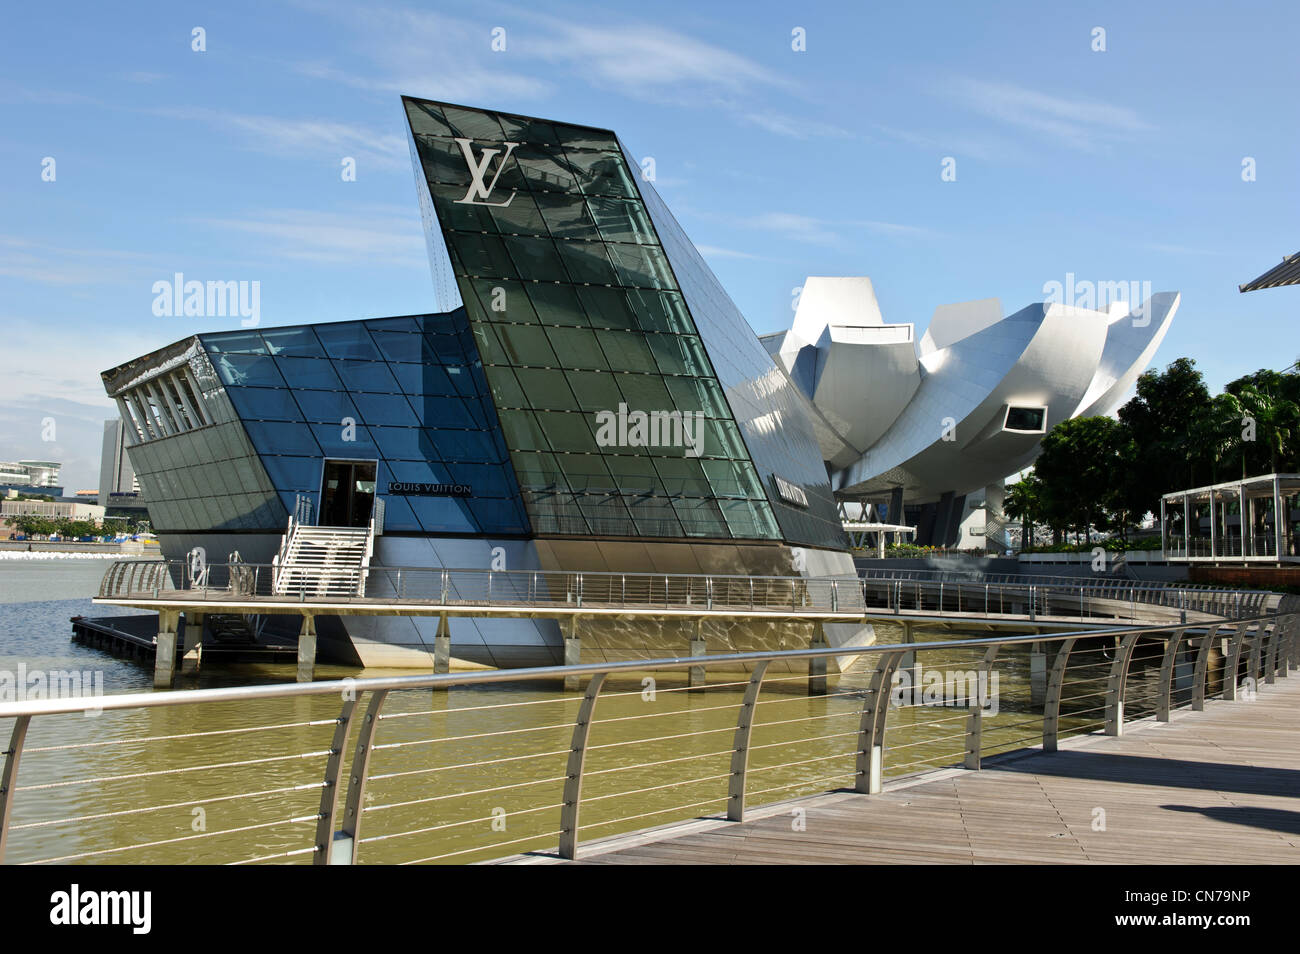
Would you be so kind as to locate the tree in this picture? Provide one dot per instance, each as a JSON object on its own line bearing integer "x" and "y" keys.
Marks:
{"x": 1161, "y": 421}
{"x": 1024, "y": 502}
{"x": 1080, "y": 467}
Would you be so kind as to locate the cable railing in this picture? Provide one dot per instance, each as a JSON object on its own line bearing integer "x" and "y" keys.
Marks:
{"x": 483, "y": 765}
{"x": 554, "y": 592}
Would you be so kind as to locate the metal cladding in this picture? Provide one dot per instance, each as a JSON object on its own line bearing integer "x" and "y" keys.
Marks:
{"x": 968, "y": 405}
{"x": 1287, "y": 273}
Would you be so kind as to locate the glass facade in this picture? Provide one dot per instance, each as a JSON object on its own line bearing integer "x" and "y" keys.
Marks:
{"x": 776, "y": 419}
{"x": 407, "y": 393}
{"x": 192, "y": 457}
{"x": 608, "y": 400}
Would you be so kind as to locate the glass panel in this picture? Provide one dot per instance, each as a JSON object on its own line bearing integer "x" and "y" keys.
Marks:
{"x": 346, "y": 339}
{"x": 485, "y": 255}
{"x": 474, "y": 124}
{"x": 385, "y": 409}
{"x": 595, "y": 390}
{"x": 601, "y": 173}
{"x": 622, "y": 220}
{"x": 546, "y": 389}
{"x": 292, "y": 439}
{"x": 607, "y": 307}
{"x": 556, "y": 305}
{"x": 526, "y": 345}
{"x": 366, "y": 376}
{"x": 297, "y": 341}
{"x": 566, "y": 215}
{"x": 249, "y": 369}
{"x": 535, "y": 259}
{"x": 266, "y": 404}
{"x": 315, "y": 373}
{"x": 567, "y": 431}
{"x": 626, "y": 351}
{"x": 503, "y": 300}
{"x": 579, "y": 347}
{"x": 398, "y": 346}
{"x": 642, "y": 265}
{"x": 520, "y": 216}
{"x": 587, "y": 263}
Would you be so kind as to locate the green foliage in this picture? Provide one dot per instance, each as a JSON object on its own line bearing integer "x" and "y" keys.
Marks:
{"x": 1104, "y": 474}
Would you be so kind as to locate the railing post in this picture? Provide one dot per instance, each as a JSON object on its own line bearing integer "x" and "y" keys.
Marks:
{"x": 1116, "y": 682}
{"x": 871, "y": 728}
{"x": 975, "y": 724}
{"x": 1270, "y": 662}
{"x": 740, "y": 745}
{"x": 349, "y": 837}
{"x": 1164, "y": 693}
{"x": 1032, "y": 599}
{"x": 573, "y": 771}
{"x": 1233, "y": 662}
{"x": 1055, "y": 687}
{"x": 445, "y": 591}
{"x": 1202, "y": 671}
{"x": 329, "y": 796}
{"x": 9, "y": 780}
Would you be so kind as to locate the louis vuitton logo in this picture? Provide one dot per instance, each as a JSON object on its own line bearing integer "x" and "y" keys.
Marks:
{"x": 479, "y": 191}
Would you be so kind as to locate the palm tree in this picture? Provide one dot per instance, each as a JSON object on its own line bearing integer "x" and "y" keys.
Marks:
{"x": 1024, "y": 502}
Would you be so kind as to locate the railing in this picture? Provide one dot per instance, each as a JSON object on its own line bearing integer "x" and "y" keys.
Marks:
{"x": 173, "y": 580}
{"x": 444, "y": 769}
{"x": 1115, "y": 599}
{"x": 1261, "y": 545}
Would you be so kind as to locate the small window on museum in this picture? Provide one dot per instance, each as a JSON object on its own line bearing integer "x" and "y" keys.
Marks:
{"x": 1025, "y": 420}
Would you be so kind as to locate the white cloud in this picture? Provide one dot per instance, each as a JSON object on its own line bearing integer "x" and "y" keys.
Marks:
{"x": 365, "y": 238}
{"x": 1082, "y": 124}
{"x": 818, "y": 231}
{"x": 298, "y": 138}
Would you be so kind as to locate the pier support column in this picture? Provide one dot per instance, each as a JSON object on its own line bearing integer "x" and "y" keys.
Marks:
{"x": 442, "y": 645}
{"x": 817, "y": 667}
{"x": 696, "y": 675}
{"x": 193, "y": 645}
{"x": 307, "y": 648}
{"x": 1037, "y": 674}
{"x": 164, "y": 664}
{"x": 572, "y": 649}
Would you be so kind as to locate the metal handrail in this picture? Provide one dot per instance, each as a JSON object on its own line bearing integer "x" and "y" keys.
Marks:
{"x": 338, "y": 834}
{"x": 717, "y": 593}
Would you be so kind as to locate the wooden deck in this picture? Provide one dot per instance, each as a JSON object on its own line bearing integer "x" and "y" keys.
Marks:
{"x": 1219, "y": 786}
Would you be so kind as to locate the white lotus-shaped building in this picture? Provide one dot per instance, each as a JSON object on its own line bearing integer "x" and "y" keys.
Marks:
{"x": 928, "y": 422}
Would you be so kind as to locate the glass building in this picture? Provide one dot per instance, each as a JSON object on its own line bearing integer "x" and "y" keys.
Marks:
{"x": 584, "y": 397}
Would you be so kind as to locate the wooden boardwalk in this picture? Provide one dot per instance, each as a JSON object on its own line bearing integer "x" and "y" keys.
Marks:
{"x": 1219, "y": 786}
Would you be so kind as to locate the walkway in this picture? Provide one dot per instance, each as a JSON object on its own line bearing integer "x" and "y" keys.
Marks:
{"x": 1219, "y": 786}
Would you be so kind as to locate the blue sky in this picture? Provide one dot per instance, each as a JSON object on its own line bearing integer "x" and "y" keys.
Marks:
{"x": 1122, "y": 165}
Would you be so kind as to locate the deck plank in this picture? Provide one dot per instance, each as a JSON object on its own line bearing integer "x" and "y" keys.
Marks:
{"x": 1221, "y": 785}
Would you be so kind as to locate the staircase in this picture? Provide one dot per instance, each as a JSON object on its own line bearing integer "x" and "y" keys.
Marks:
{"x": 324, "y": 562}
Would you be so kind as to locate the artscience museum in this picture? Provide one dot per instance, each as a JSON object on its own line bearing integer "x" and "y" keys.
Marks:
{"x": 583, "y": 395}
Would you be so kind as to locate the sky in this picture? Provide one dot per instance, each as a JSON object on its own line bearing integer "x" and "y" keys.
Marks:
{"x": 1150, "y": 143}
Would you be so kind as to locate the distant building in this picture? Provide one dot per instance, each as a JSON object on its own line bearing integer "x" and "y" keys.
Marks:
{"x": 53, "y": 509}
{"x": 24, "y": 475}
{"x": 119, "y": 489}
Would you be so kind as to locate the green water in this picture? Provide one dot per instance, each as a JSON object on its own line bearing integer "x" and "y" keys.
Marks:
{"x": 458, "y": 775}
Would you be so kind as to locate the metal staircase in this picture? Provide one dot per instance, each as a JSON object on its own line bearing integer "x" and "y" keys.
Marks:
{"x": 325, "y": 561}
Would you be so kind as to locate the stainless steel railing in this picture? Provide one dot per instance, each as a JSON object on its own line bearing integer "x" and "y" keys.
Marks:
{"x": 645, "y": 592}
{"x": 445, "y": 768}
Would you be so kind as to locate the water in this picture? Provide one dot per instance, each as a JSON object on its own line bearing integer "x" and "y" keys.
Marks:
{"x": 458, "y": 775}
